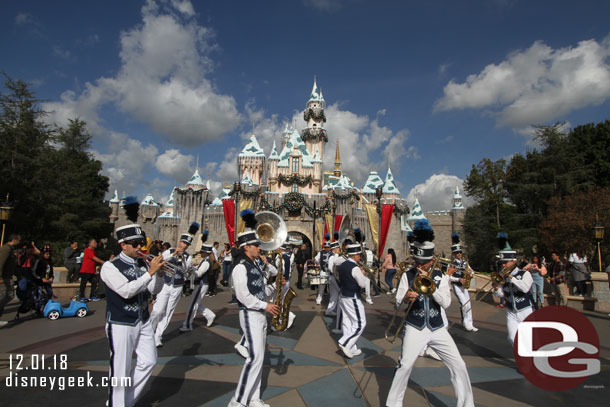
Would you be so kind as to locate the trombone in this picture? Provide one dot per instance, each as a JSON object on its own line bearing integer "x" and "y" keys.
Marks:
{"x": 497, "y": 278}
{"x": 422, "y": 285}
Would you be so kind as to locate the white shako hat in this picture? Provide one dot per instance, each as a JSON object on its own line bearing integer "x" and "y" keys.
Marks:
{"x": 456, "y": 247}
{"x": 353, "y": 249}
{"x": 423, "y": 248}
{"x": 506, "y": 253}
{"x": 248, "y": 236}
{"x": 190, "y": 235}
{"x": 132, "y": 231}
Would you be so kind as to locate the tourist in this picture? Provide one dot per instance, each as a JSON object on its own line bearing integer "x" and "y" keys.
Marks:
{"x": 8, "y": 264}
{"x": 579, "y": 272}
{"x": 71, "y": 253}
{"x": 88, "y": 271}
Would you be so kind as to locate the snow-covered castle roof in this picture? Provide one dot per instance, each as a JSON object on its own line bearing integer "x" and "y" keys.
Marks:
{"x": 389, "y": 187}
{"x": 295, "y": 141}
{"x": 416, "y": 213}
{"x": 149, "y": 200}
{"x": 372, "y": 182}
{"x": 195, "y": 180}
{"x": 252, "y": 149}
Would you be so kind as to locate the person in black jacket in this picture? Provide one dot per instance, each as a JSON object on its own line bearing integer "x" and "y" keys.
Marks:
{"x": 70, "y": 254}
{"x": 300, "y": 258}
{"x": 43, "y": 271}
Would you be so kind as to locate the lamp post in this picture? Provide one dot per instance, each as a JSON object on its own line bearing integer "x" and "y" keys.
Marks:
{"x": 236, "y": 190}
{"x": 598, "y": 234}
{"x": 378, "y": 195}
{"x": 5, "y": 213}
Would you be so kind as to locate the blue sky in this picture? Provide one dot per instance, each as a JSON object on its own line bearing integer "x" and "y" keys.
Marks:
{"x": 430, "y": 87}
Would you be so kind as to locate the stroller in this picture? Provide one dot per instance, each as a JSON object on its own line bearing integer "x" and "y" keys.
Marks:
{"x": 32, "y": 295}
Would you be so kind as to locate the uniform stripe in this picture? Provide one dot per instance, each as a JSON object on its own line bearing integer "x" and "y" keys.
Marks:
{"x": 195, "y": 301}
{"x": 111, "y": 345}
{"x": 248, "y": 366}
{"x": 357, "y": 332}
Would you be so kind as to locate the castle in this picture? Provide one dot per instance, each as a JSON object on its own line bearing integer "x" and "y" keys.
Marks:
{"x": 293, "y": 184}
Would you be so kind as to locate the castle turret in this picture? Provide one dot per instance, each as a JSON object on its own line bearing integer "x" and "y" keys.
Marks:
{"x": 390, "y": 191}
{"x": 251, "y": 161}
{"x": 314, "y": 135}
{"x": 337, "y": 161}
{"x": 114, "y": 206}
{"x": 457, "y": 212}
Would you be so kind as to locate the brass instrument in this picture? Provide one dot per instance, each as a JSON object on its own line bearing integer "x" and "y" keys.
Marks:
{"x": 423, "y": 285}
{"x": 468, "y": 276}
{"x": 272, "y": 232}
{"x": 498, "y": 278}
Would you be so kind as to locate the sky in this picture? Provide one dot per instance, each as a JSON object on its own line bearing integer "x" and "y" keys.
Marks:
{"x": 426, "y": 88}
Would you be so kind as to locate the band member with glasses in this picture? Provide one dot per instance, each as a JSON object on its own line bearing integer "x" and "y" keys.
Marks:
{"x": 130, "y": 282}
{"x": 457, "y": 277}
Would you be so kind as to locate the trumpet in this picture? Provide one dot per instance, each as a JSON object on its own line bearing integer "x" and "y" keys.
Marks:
{"x": 423, "y": 285}
{"x": 168, "y": 268}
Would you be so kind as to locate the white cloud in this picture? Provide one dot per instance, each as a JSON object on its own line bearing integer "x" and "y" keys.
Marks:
{"x": 128, "y": 164}
{"x": 436, "y": 193}
{"x": 23, "y": 19}
{"x": 536, "y": 85}
{"x": 175, "y": 165}
{"x": 161, "y": 82}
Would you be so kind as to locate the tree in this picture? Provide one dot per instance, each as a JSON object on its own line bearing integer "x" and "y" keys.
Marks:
{"x": 568, "y": 225}
{"x": 486, "y": 183}
{"x": 55, "y": 184}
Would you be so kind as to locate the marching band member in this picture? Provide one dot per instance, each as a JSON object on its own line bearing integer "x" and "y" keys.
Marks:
{"x": 351, "y": 282}
{"x": 322, "y": 261}
{"x": 334, "y": 260}
{"x": 457, "y": 279}
{"x": 424, "y": 324}
{"x": 251, "y": 292}
{"x": 168, "y": 298}
{"x": 515, "y": 289}
{"x": 201, "y": 288}
{"x": 270, "y": 274}
{"x": 129, "y": 283}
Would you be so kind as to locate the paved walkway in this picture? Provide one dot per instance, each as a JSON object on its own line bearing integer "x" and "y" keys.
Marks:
{"x": 303, "y": 367}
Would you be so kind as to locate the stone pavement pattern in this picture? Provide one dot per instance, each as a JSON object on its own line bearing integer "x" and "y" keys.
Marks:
{"x": 303, "y": 366}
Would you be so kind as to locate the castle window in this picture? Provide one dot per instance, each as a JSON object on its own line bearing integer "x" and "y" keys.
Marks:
{"x": 295, "y": 188}
{"x": 295, "y": 164}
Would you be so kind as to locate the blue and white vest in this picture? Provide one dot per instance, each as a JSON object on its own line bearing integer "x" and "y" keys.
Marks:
{"x": 347, "y": 283}
{"x": 286, "y": 263}
{"x": 177, "y": 280}
{"x": 460, "y": 265}
{"x": 425, "y": 311}
{"x": 127, "y": 311}
{"x": 204, "y": 279}
{"x": 324, "y": 256}
{"x": 256, "y": 281}
{"x": 514, "y": 297}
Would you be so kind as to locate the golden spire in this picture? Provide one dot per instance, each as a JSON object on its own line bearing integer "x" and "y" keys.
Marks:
{"x": 337, "y": 161}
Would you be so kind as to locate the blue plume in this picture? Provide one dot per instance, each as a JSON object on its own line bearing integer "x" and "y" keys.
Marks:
{"x": 204, "y": 236}
{"x": 455, "y": 238}
{"x": 249, "y": 218}
{"x": 423, "y": 231}
{"x": 194, "y": 228}
{"x": 335, "y": 235}
{"x": 327, "y": 236}
{"x": 502, "y": 240}
{"x": 131, "y": 206}
{"x": 410, "y": 236}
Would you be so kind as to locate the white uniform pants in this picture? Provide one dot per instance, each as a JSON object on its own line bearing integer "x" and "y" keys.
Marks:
{"x": 367, "y": 290}
{"x": 254, "y": 325}
{"x": 463, "y": 296}
{"x": 321, "y": 290}
{"x": 513, "y": 319}
{"x": 334, "y": 296}
{"x": 164, "y": 307}
{"x": 354, "y": 321}
{"x": 439, "y": 340}
{"x": 123, "y": 341}
{"x": 197, "y": 304}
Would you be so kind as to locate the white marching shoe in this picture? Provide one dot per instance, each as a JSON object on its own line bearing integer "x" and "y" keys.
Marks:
{"x": 183, "y": 329}
{"x": 234, "y": 403}
{"x": 211, "y": 320}
{"x": 346, "y": 352}
{"x": 471, "y": 328}
{"x": 242, "y": 350}
{"x": 258, "y": 403}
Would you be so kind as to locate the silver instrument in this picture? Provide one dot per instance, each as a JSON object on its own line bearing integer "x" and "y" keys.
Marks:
{"x": 168, "y": 268}
{"x": 271, "y": 230}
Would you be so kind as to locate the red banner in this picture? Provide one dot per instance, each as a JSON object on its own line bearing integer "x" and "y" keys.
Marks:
{"x": 386, "y": 218}
{"x": 229, "y": 207}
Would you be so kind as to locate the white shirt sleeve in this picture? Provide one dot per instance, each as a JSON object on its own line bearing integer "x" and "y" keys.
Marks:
{"x": 271, "y": 269}
{"x": 442, "y": 295}
{"x": 118, "y": 283}
{"x": 360, "y": 278}
{"x": 202, "y": 269}
{"x": 525, "y": 283}
{"x": 403, "y": 287}
{"x": 240, "y": 284}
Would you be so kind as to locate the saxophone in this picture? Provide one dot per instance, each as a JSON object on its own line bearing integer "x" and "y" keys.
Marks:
{"x": 280, "y": 321}
{"x": 468, "y": 275}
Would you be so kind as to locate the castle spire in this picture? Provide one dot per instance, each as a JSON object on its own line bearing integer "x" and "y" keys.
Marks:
{"x": 337, "y": 161}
